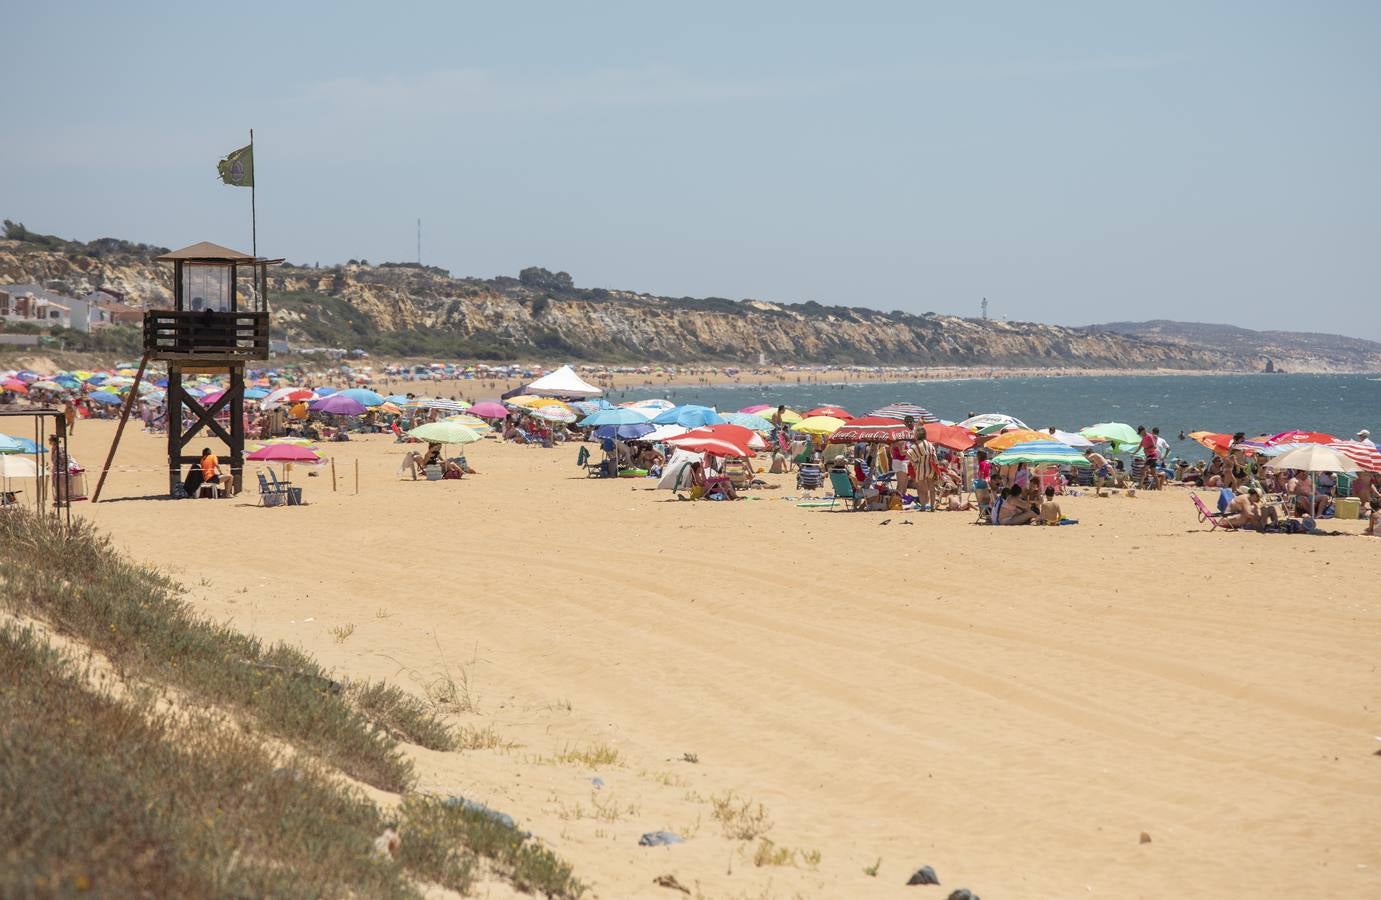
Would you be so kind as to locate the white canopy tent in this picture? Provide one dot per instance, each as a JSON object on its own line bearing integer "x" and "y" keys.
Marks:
{"x": 563, "y": 383}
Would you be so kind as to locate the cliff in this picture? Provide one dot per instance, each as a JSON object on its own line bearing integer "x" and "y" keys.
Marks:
{"x": 1289, "y": 351}
{"x": 404, "y": 309}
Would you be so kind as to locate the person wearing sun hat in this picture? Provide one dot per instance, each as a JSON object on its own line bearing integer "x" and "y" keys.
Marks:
{"x": 1364, "y": 437}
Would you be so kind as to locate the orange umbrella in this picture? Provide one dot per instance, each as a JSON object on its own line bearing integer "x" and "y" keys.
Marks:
{"x": 1012, "y": 438}
{"x": 1218, "y": 443}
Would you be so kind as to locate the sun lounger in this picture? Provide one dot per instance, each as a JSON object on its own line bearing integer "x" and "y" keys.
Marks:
{"x": 738, "y": 473}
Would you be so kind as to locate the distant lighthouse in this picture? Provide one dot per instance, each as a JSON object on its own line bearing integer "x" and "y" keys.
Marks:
{"x": 984, "y": 307}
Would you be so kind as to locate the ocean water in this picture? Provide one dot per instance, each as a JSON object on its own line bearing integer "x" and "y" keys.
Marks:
{"x": 1256, "y": 404}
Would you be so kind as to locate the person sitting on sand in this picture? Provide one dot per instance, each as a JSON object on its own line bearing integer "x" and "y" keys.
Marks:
{"x": 1050, "y": 510}
{"x": 712, "y": 485}
{"x": 1014, "y": 510}
{"x": 1374, "y": 520}
{"x": 1246, "y": 511}
{"x": 433, "y": 457}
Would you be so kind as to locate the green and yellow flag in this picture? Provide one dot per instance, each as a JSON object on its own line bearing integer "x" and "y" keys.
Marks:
{"x": 237, "y": 169}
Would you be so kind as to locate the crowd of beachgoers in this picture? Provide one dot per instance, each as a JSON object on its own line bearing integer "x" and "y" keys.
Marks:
{"x": 898, "y": 457}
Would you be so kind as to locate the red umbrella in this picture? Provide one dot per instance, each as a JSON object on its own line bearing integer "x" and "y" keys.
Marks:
{"x": 1301, "y": 437}
{"x": 951, "y": 436}
{"x": 1365, "y": 456}
{"x": 708, "y": 444}
{"x": 838, "y": 412}
{"x": 736, "y": 434}
{"x": 14, "y": 384}
{"x": 871, "y": 430}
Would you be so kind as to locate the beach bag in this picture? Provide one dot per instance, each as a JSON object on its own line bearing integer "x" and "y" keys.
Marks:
{"x": 894, "y": 502}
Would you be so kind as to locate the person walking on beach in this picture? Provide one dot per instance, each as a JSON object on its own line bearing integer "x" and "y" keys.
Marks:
{"x": 1148, "y": 455}
{"x": 923, "y": 457}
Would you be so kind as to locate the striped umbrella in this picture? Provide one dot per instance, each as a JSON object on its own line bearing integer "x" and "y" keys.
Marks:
{"x": 553, "y": 414}
{"x": 905, "y": 410}
{"x": 1037, "y": 452}
{"x": 1364, "y": 456}
{"x": 978, "y": 423}
{"x": 436, "y": 403}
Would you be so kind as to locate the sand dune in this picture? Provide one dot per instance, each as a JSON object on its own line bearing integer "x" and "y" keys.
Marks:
{"x": 1011, "y": 706}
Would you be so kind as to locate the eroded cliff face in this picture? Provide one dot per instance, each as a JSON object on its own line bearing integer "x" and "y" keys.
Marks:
{"x": 523, "y": 320}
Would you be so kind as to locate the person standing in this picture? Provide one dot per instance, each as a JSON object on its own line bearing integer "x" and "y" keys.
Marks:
{"x": 69, "y": 415}
{"x": 1149, "y": 457}
{"x": 923, "y": 456}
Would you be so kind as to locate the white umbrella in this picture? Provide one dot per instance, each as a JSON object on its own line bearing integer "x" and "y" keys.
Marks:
{"x": 13, "y": 466}
{"x": 1313, "y": 458}
{"x": 1071, "y": 438}
{"x": 664, "y": 433}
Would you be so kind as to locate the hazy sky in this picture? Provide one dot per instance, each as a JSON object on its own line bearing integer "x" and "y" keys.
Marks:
{"x": 1073, "y": 162}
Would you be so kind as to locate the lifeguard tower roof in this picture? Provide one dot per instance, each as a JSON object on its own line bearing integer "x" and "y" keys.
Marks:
{"x": 205, "y": 251}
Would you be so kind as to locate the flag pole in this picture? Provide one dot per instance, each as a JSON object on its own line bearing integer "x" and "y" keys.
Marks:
{"x": 253, "y": 214}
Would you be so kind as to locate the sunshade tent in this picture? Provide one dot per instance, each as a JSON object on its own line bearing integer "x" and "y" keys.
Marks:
{"x": 564, "y": 383}
{"x": 1040, "y": 453}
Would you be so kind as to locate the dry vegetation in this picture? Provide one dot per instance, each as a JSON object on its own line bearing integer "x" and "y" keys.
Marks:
{"x": 210, "y": 764}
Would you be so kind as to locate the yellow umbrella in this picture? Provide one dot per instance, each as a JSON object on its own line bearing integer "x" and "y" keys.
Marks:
{"x": 789, "y": 416}
{"x": 1020, "y": 436}
{"x": 817, "y": 424}
{"x": 543, "y": 402}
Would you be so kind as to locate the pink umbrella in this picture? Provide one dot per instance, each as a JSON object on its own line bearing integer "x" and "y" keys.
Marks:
{"x": 488, "y": 409}
{"x": 285, "y": 453}
{"x": 752, "y": 410}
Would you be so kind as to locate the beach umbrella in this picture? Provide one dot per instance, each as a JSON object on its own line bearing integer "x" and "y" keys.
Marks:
{"x": 650, "y": 407}
{"x": 690, "y": 416}
{"x": 1312, "y": 457}
{"x": 488, "y": 409}
{"x": 553, "y": 414}
{"x": 436, "y": 403}
{"x": 987, "y": 420}
{"x": 544, "y": 402}
{"x": 1365, "y": 456}
{"x": 952, "y": 436}
{"x": 625, "y": 432}
{"x": 1114, "y": 432}
{"x": 871, "y": 430}
{"x": 337, "y": 405}
{"x": 15, "y": 445}
{"x": 1301, "y": 437}
{"x": 469, "y": 421}
{"x": 706, "y": 443}
{"x": 758, "y": 408}
{"x": 17, "y": 467}
{"x": 838, "y": 412}
{"x": 105, "y": 398}
{"x": 619, "y": 415}
{"x": 823, "y": 425}
{"x": 286, "y": 454}
{"x": 905, "y": 410}
{"x": 1212, "y": 440}
{"x": 1073, "y": 439}
{"x": 47, "y": 384}
{"x": 19, "y": 386}
{"x": 737, "y": 434}
{"x": 325, "y": 391}
{"x": 366, "y": 397}
{"x": 1017, "y": 436}
{"x": 1042, "y": 452}
{"x": 662, "y": 433}
{"x": 751, "y": 421}
{"x": 445, "y": 432}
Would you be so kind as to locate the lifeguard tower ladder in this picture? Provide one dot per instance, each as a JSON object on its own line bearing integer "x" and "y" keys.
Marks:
{"x": 219, "y": 322}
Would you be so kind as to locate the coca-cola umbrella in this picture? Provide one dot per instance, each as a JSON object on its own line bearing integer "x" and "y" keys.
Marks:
{"x": 1301, "y": 437}
{"x": 871, "y": 430}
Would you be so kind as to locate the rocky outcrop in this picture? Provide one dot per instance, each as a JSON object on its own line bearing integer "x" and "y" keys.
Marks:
{"x": 398, "y": 308}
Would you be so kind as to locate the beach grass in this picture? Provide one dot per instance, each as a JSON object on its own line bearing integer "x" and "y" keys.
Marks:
{"x": 183, "y": 758}
{"x": 76, "y": 582}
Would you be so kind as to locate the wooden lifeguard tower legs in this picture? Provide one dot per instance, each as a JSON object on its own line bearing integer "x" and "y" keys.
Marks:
{"x": 204, "y": 419}
{"x": 130, "y": 399}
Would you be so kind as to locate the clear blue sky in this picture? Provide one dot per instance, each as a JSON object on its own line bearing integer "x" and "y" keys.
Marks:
{"x": 1073, "y": 162}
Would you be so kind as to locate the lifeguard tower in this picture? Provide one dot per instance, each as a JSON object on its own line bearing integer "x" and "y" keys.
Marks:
{"x": 219, "y": 322}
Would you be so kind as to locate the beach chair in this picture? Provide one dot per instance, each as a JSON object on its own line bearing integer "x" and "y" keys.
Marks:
{"x": 738, "y": 473}
{"x": 214, "y": 487}
{"x": 809, "y": 477}
{"x": 1208, "y": 515}
{"x": 294, "y": 494}
{"x": 270, "y": 495}
{"x": 843, "y": 488}
{"x": 592, "y": 469}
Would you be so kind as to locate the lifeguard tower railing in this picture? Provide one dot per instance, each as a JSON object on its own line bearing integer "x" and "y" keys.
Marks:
{"x": 171, "y": 334}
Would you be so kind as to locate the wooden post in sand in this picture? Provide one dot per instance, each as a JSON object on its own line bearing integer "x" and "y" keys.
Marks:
{"x": 333, "y": 474}
{"x": 357, "y": 477}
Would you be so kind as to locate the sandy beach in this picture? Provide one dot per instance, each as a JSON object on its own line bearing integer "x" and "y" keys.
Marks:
{"x": 1014, "y": 707}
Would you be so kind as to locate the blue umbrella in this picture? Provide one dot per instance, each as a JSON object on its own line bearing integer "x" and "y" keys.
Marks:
{"x": 399, "y": 399}
{"x": 364, "y": 396}
{"x": 748, "y": 420}
{"x": 616, "y": 416}
{"x": 624, "y": 432}
{"x": 324, "y": 391}
{"x": 15, "y": 445}
{"x": 256, "y": 393}
{"x": 689, "y": 416}
{"x": 105, "y": 398}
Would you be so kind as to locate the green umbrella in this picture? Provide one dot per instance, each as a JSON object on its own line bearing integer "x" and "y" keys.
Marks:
{"x": 445, "y": 432}
{"x": 1116, "y": 432}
